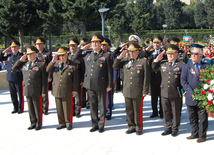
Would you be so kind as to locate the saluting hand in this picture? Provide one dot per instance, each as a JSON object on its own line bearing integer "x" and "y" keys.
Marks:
{"x": 123, "y": 53}
{"x": 23, "y": 58}
{"x": 160, "y": 56}
{"x": 55, "y": 58}
{"x": 85, "y": 47}
{"x": 74, "y": 94}
{"x": 6, "y": 50}
{"x": 108, "y": 89}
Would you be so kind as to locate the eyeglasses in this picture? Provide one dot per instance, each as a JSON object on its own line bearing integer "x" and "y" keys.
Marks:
{"x": 194, "y": 53}
{"x": 62, "y": 55}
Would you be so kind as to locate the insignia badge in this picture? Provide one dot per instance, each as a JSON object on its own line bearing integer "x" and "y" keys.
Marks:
{"x": 88, "y": 58}
{"x": 101, "y": 65}
{"x": 35, "y": 68}
{"x": 192, "y": 71}
{"x": 138, "y": 71}
{"x": 176, "y": 76}
{"x": 70, "y": 66}
{"x": 163, "y": 68}
{"x": 69, "y": 74}
{"x": 138, "y": 65}
{"x": 102, "y": 58}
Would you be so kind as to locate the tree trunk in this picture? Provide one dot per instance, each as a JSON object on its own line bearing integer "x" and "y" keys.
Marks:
{"x": 21, "y": 40}
{"x": 83, "y": 29}
{"x": 6, "y": 41}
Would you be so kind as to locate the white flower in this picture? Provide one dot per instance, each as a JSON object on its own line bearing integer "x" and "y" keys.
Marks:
{"x": 212, "y": 82}
{"x": 206, "y": 86}
{"x": 212, "y": 87}
{"x": 210, "y": 96}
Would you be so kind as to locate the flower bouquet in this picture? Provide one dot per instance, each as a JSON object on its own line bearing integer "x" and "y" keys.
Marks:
{"x": 205, "y": 91}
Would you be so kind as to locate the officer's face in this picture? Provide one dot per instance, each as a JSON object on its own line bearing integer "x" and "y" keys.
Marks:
{"x": 40, "y": 46}
{"x": 32, "y": 56}
{"x": 15, "y": 49}
{"x": 105, "y": 47}
{"x": 196, "y": 55}
{"x": 156, "y": 45}
{"x": 96, "y": 46}
{"x": 133, "y": 54}
{"x": 63, "y": 57}
{"x": 73, "y": 48}
{"x": 172, "y": 56}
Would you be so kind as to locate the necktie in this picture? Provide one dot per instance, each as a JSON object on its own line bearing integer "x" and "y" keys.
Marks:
{"x": 30, "y": 63}
{"x": 170, "y": 65}
{"x": 62, "y": 65}
{"x": 196, "y": 68}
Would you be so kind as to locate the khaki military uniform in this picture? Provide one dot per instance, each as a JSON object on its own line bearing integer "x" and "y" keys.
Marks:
{"x": 170, "y": 92}
{"x": 136, "y": 83}
{"x": 35, "y": 84}
{"x": 65, "y": 81}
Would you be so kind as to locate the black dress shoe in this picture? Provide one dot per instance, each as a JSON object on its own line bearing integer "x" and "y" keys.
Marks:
{"x": 60, "y": 127}
{"x": 74, "y": 114}
{"x": 38, "y": 128}
{"x": 78, "y": 115}
{"x": 14, "y": 111}
{"x": 94, "y": 129}
{"x": 87, "y": 107}
{"x": 108, "y": 117}
{"x": 101, "y": 130}
{"x": 20, "y": 111}
{"x": 130, "y": 131}
{"x": 138, "y": 132}
{"x": 31, "y": 127}
{"x": 192, "y": 137}
{"x": 166, "y": 132}
{"x": 69, "y": 127}
{"x": 153, "y": 115}
{"x": 174, "y": 133}
{"x": 161, "y": 116}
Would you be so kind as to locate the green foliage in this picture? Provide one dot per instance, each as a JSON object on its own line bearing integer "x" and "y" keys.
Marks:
{"x": 200, "y": 15}
{"x": 209, "y": 5}
{"x": 204, "y": 92}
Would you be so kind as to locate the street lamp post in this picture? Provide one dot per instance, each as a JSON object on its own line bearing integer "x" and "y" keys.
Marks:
{"x": 109, "y": 32}
{"x": 164, "y": 28}
{"x": 103, "y": 13}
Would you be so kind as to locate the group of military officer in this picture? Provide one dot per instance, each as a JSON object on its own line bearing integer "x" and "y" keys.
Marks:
{"x": 158, "y": 71}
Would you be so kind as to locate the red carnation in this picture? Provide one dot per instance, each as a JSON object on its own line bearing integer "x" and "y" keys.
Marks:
{"x": 213, "y": 72}
{"x": 210, "y": 102}
{"x": 210, "y": 91}
{"x": 203, "y": 92}
{"x": 208, "y": 81}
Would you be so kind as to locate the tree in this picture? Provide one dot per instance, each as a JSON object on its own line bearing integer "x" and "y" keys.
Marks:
{"x": 173, "y": 13}
{"x": 200, "y": 15}
{"x": 87, "y": 10}
{"x": 119, "y": 22}
{"x": 141, "y": 12}
{"x": 157, "y": 17}
{"x": 209, "y": 5}
{"x": 188, "y": 16}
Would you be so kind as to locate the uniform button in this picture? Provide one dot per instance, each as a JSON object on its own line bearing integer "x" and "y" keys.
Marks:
{"x": 93, "y": 61}
{"x": 92, "y": 66}
{"x": 168, "y": 81}
{"x": 131, "y": 73}
{"x": 130, "y": 82}
{"x": 60, "y": 85}
{"x": 28, "y": 83}
{"x": 61, "y": 75}
{"x": 131, "y": 67}
{"x": 11, "y": 71}
{"x": 91, "y": 74}
{"x": 130, "y": 77}
{"x": 29, "y": 74}
{"x": 92, "y": 70}
{"x": 28, "y": 79}
{"x": 169, "y": 72}
{"x": 102, "y": 77}
{"x": 169, "y": 77}
{"x": 60, "y": 80}
{"x": 168, "y": 86}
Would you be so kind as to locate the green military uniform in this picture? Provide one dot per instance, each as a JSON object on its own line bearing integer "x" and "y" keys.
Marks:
{"x": 35, "y": 84}
{"x": 136, "y": 83}
{"x": 170, "y": 90}
{"x": 65, "y": 81}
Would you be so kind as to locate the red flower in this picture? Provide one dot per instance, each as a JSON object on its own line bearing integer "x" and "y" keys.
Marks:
{"x": 208, "y": 81}
{"x": 213, "y": 72}
{"x": 209, "y": 56}
{"x": 203, "y": 92}
{"x": 210, "y": 91}
{"x": 210, "y": 102}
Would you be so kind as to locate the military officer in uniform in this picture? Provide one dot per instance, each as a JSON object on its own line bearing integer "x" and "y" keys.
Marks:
{"x": 35, "y": 84}
{"x": 136, "y": 85}
{"x": 155, "y": 77}
{"x": 65, "y": 86}
{"x": 80, "y": 66}
{"x": 171, "y": 96}
{"x": 44, "y": 56}
{"x": 98, "y": 79}
{"x": 14, "y": 78}
{"x": 190, "y": 81}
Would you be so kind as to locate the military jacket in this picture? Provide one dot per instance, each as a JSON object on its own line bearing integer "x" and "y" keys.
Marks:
{"x": 65, "y": 80}
{"x": 98, "y": 70}
{"x": 136, "y": 76}
{"x": 11, "y": 59}
{"x": 170, "y": 84}
{"x": 35, "y": 82}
